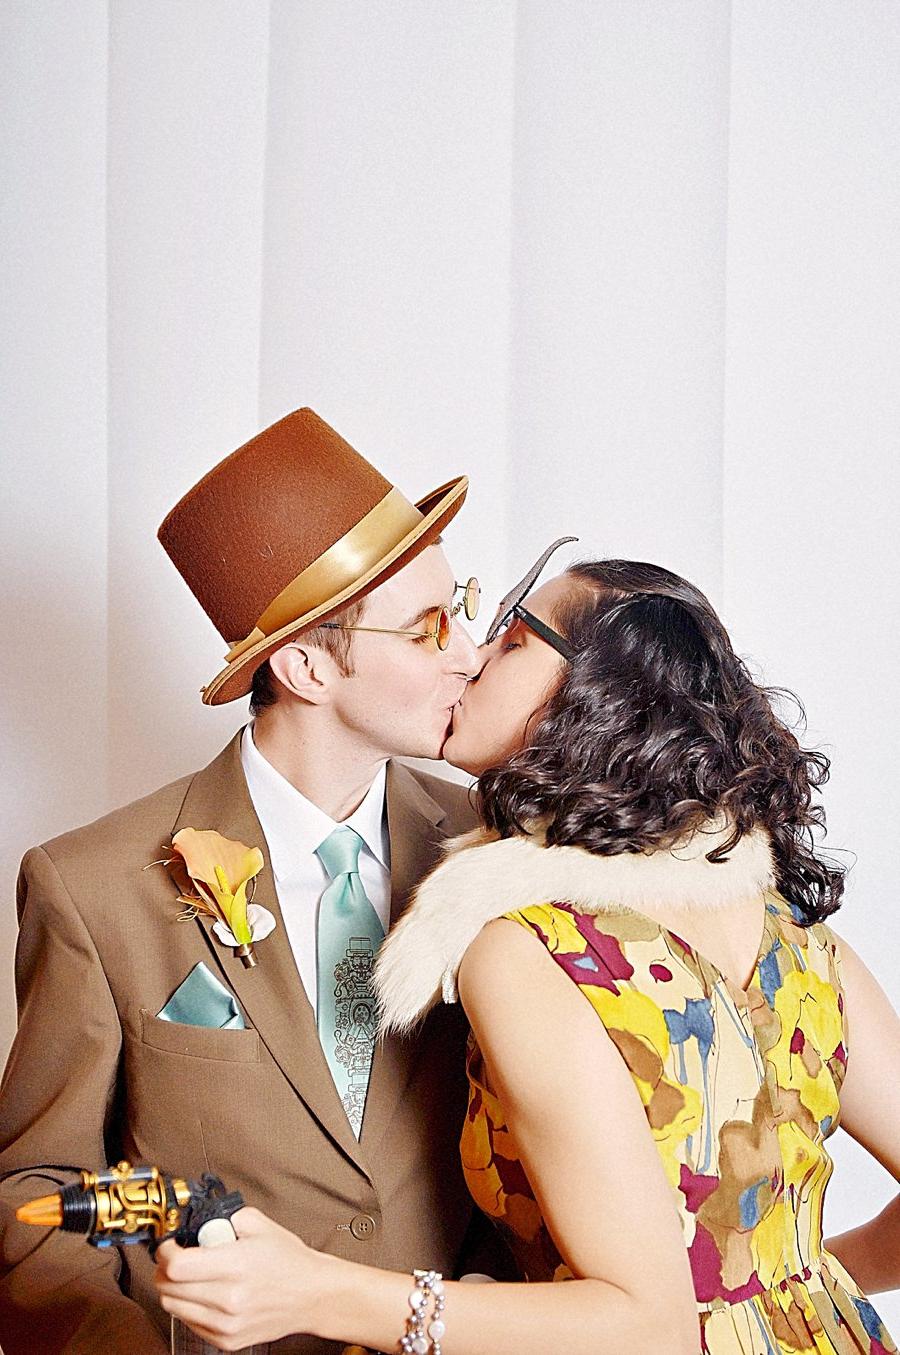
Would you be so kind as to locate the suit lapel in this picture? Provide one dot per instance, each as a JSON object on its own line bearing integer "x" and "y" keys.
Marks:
{"x": 272, "y": 993}
{"x": 413, "y": 819}
{"x": 413, "y": 825}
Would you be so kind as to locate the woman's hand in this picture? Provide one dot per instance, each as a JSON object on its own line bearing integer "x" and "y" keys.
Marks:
{"x": 266, "y": 1285}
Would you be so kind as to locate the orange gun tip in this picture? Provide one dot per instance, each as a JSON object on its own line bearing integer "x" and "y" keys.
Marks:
{"x": 47, "y": 1212}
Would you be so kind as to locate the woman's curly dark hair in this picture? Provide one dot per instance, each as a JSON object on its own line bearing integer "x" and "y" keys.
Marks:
{"x": 656, "y": 727}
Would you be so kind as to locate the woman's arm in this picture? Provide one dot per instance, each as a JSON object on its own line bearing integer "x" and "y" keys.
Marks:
{"x": 870, "y": 1113}
{"x": 583, "y": 1138}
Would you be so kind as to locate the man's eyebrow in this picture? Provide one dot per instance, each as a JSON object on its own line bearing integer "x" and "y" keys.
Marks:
{"x": 420, "y": 616}
{"x": 426, "y": 612}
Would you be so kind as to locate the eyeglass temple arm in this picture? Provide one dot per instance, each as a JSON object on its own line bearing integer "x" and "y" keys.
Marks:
{"x": 373, "y": 630}
{"x": 524, "y": 586}
{"x": 552, "y": 637}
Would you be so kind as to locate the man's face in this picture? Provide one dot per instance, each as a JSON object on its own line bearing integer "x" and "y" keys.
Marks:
{"x": 402, "y": 691}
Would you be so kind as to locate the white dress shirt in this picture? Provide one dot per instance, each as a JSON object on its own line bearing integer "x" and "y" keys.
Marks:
{"x": 294, "y": 827}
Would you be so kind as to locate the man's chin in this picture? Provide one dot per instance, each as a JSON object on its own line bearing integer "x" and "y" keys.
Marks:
{"x": 452, "y": 752}
{"x": 451, "y": 747}
{"x": 432, "y": 750}
{"x": 429, "y": 750}
{"x": 447, "y": 739}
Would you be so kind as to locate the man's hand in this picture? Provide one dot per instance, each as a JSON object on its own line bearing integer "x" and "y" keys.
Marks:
{"x": 266, "y": 1285}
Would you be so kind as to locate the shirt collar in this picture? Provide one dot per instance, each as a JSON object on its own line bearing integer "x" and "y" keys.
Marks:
{"x": 294, "y": 826}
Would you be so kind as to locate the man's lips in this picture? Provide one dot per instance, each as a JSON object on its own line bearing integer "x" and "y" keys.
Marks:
{"x": 458, "y": 701}
{"x": 453, "y": 711}
{"x": 456, "y": 715}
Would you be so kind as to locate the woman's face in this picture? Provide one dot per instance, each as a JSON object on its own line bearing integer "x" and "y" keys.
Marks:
{"x": 519, "y": 672}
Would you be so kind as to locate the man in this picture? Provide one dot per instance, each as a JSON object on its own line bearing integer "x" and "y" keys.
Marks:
{"x": 143, "y": 1033}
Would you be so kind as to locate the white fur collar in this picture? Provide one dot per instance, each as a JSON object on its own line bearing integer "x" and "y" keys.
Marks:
{"x": 482, "y": 877}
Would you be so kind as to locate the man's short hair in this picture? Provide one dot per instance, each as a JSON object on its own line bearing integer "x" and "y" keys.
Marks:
{"x": 336, "y": 643}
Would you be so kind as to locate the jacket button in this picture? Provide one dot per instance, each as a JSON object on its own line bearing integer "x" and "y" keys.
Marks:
{"x": 362, "y": 1226}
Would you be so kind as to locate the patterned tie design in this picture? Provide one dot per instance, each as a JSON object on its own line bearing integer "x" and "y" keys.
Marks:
{"x": 348, "y": 935}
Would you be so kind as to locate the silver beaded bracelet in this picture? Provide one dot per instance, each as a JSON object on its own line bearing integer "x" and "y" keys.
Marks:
{"x": 423, "y": 1333}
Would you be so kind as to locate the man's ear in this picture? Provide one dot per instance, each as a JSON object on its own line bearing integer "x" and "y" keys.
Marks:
{"x": 305, "y": 671}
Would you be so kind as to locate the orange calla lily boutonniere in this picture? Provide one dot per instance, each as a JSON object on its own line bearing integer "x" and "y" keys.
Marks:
{"x": 218, "y": 872}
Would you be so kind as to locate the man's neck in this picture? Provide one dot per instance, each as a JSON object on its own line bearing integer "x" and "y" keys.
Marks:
{"x": 328, "y": 765}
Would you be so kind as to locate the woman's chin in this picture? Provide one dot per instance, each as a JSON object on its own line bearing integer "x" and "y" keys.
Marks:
{"x": 455, "y": 753}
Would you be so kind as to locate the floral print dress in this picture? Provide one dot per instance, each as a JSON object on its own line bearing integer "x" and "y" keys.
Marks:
{"x": 741, "y": 1089}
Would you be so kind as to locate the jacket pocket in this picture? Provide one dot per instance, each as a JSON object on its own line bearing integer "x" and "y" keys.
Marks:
{"x": 199, "y": 1042}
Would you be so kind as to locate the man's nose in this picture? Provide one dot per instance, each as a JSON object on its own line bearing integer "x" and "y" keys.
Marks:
{"x": 484, "y": 653}
{"x": 464, "y": 654}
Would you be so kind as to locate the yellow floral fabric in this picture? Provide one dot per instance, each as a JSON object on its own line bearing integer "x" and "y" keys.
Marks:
{"x": 741, "y": 1089}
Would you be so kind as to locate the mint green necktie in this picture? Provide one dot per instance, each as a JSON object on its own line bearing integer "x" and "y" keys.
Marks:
{"x": 348, "y": 935}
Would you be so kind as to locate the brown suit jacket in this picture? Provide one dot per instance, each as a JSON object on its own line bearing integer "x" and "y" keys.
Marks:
{"x": 94, "y": 1075}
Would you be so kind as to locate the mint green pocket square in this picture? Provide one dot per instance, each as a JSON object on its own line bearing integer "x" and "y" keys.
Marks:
{"x": 203, "y": 1001}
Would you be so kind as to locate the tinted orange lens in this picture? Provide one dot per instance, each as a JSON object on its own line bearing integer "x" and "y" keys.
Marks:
{"x": 471, "y": 598}
{"x": 442, "y": 625}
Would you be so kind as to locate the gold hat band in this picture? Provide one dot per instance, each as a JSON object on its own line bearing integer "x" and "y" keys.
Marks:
{"x": 341, "y": 565}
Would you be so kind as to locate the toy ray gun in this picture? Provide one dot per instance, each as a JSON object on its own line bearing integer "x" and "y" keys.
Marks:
{"x": 124, "y": 1205}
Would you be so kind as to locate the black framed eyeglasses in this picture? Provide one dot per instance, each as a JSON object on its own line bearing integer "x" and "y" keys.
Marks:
{"x": 511, "y": 607}
{"x": 440, "y": 621}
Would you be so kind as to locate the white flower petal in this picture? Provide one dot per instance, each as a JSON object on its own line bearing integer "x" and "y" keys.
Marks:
{"x": 262, "y": 924}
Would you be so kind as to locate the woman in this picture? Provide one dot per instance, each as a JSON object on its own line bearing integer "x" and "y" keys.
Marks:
{"x": 647, "y": 848}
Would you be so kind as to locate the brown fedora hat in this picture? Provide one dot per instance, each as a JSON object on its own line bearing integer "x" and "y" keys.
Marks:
{"x": 288, "y": 530}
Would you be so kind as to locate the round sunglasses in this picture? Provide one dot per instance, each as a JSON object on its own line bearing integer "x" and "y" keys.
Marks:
{"x": 442, "y": 626}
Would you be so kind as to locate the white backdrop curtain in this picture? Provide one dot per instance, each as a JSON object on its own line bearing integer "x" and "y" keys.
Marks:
{"x": 632, "y": 266}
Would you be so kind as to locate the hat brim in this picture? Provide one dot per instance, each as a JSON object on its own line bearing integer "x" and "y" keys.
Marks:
{"x": 437, "y": 509}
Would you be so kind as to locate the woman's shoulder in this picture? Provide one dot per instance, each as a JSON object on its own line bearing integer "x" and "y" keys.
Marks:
{"x": 602, "y": 946}
{"x": 816, "y": 941}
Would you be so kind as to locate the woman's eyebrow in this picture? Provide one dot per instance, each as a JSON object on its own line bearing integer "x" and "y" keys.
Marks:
{"x": 515, "y": 623}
